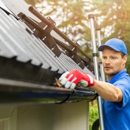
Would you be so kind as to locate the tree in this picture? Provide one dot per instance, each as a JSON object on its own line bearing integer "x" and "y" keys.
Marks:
{"x": 71, "y": 16}
{"x": 115, "y": 21}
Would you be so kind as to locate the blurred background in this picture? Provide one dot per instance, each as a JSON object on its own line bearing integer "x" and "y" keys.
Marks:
{"x": 71, "y": 17}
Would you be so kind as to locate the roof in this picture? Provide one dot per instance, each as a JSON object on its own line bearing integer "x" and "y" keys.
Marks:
{"x": 33, "y": 53}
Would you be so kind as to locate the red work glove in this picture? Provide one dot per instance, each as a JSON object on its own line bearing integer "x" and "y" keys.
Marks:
{"x": 71, "y": 78}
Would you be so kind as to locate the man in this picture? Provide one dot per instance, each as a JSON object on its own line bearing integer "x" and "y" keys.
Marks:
{"x": 115, "y": 92}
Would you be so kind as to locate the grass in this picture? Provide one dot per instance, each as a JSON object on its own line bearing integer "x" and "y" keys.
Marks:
{"x": 93, "y": 113}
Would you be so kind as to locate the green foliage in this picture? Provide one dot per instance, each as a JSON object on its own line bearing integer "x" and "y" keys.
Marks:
{"x": 71, "y": 17}
{"x": 115, "y": 19}
{"x": 93, "y": 114}
{"x": 128, "y": 65}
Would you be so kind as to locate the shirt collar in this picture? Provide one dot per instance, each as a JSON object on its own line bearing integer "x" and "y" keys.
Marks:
{"x": 117, "y": 76}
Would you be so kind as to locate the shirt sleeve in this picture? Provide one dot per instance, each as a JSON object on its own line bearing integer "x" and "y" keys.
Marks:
{"x": 124, "y": 86}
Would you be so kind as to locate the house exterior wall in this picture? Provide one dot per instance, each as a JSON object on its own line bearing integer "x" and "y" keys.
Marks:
{"x": 53, "y": 117}
{"x": 71, "y": 116}
{"x": 8, "y": 117}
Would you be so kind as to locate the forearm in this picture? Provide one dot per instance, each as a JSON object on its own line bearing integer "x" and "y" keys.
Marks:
{"x": 107, "y": 91}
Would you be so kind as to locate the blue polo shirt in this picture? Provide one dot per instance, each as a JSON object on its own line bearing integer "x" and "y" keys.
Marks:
{"x": 117, "y": 117}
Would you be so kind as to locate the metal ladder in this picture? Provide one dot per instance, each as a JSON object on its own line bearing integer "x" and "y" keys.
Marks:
{"x": 95, "y": 27}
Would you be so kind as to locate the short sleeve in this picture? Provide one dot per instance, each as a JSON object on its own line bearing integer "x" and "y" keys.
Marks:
{"x": 124, "y": 85}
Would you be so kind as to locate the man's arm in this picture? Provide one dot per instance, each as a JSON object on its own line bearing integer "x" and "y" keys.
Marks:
{"x": 107, "y": 91}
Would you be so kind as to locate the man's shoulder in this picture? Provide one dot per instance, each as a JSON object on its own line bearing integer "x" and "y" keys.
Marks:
{"x": 123, "y": 81}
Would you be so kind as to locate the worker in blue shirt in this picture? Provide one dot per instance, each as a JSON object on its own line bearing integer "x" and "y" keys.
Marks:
{"x": 115, "y": 92}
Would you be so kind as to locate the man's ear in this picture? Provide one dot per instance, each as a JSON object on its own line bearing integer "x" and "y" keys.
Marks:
{"x": 124, "y": 59}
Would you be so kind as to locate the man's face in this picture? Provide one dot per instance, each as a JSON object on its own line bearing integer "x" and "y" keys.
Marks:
{"x": 113, "y": 62}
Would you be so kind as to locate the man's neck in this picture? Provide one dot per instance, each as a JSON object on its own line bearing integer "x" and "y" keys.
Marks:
{"x": 109, "y": 76}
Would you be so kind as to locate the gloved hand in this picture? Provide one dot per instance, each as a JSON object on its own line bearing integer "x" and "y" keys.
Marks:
{"x": 71, "y": 78}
